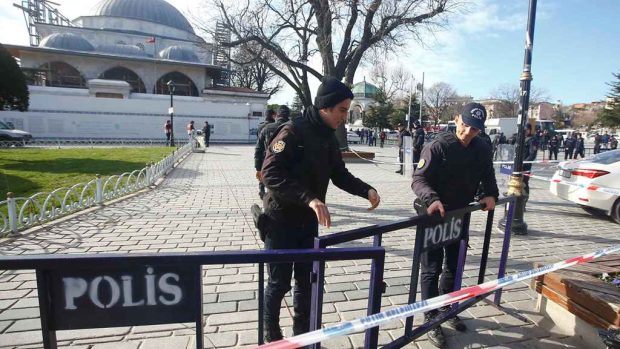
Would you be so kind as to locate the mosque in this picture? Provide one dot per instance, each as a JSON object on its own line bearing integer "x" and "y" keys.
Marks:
{"x": 114, "y": 72}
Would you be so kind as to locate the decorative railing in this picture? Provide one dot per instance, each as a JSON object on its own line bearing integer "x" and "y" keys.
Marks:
{"x": 18, "y": 213}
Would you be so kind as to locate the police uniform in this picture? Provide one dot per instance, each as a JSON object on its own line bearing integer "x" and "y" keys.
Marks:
{"x": 418, "y": 143}
{"x": 451, "y": 173}
{"x": 268, "y": 120}
{"x": 266, "y": 134}
{"x": 301, "y": 160}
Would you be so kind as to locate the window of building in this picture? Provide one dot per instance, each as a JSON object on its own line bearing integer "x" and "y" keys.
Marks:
{"x": 183, "y": 85}
{"x": 60, "y": 74}
{"x": 124, "y": 74}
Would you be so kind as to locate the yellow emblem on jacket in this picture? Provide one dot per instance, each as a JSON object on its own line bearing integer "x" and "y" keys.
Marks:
{"x": 421, "y": 163}
{"x": 278, "y": 147}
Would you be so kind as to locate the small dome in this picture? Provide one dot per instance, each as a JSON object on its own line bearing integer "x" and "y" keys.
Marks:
{"x": 364, "y": 89}
{"x": 179, "y": 53}
{"x": 123, "y": 50}
{"x": 67, "y": 41}
{"x": 156, "y": 11}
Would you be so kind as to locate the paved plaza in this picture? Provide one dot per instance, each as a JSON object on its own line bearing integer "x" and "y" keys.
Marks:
{"x": 203, "y": 205}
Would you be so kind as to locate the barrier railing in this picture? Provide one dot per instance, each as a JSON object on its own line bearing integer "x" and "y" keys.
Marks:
{"x": 25, "y": 212}
{"x": 110, "y": 290}
{"x": 422, "y": 243}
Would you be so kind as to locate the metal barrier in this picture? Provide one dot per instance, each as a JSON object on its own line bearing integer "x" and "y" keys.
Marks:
{"x": 422, "y": 243}
{"x": 147, "y": 289}
{"x": 25, "y": 212}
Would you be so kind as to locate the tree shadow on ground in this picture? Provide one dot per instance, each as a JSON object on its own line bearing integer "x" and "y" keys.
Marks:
{"x": 15, "y": 184}
{"x": 76, "y": 165}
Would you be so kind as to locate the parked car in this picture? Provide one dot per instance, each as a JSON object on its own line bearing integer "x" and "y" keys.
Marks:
{"x": 600, "y": 170}
{"x": 9, "y": 133}
{"x": 353, "y": 137}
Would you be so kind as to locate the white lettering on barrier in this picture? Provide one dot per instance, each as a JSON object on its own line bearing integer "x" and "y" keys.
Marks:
{"x": 167, "y": 285}
{"x": 443, "y": 232}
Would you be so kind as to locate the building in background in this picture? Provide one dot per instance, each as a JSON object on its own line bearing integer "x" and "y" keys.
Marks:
{"x": 106, "y": 74}
{"x": 365, "y": 94}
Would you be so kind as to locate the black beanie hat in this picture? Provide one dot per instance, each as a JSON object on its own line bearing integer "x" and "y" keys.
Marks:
{"x": 331, "y": 92}
{"x": 284, "y": 112}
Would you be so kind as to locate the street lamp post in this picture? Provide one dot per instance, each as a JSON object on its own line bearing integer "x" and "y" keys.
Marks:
{"x": 171, "y": 87}
{"x": 515, "y": 186}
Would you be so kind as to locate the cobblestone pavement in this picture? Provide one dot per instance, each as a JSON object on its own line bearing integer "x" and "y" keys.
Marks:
{"x": 203, "y": 205}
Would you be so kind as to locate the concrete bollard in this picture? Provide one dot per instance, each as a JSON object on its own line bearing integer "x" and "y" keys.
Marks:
{"x": 99, "y": 190}
{"x": 12, "y": 206}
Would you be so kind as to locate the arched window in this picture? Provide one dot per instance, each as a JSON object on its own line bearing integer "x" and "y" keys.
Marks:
{"x": 61, "y": 74}
{"x": 183, "y": 85}
{"x": 124, "y": 74}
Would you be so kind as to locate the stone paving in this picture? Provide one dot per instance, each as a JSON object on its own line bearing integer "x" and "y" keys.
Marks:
{"x": 203, "y": 205}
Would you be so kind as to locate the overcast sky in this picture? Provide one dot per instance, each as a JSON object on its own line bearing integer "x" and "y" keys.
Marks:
{"x": 575, "y": 46}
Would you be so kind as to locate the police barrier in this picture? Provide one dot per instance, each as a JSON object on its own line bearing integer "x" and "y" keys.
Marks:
{"x": 111, "y": 290}
{"x": 430, "y": 233}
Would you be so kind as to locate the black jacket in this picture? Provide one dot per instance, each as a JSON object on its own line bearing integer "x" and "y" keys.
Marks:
{"x": 451, "y": 173}
{"x": 418, "y": 138}
{"x": 401, "y": 135}
{"x": 264, "y": 137}
{"x": 300, "y": 161}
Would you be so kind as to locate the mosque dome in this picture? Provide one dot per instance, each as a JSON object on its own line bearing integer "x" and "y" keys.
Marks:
{"x": 66, "y": 41}
{"x": 156, "y": 11}
{"x": 179, "y": 53}
{"x": 364, "y": 89}
{"x": 122, "y": 50}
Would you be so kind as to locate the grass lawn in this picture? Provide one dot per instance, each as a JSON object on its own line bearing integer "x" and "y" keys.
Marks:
{"x": 28, "y": 171}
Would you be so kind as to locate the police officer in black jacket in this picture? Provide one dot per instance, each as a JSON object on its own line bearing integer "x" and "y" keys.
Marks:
{"x": 269, "y": 119}
{"x": 301, "y": 160}
{"x": 264, "y": 138}
{"x": 418, "y": 142}
{"x": 448, "y": 174}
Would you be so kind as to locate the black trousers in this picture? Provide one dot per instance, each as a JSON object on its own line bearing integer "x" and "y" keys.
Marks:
{"x": 207, "y": 141}
{"x": 280, "y": 274}
{"x": 568, "y": 153}
{"x": 432, "y": 263}
{"x": 553, "y": 152}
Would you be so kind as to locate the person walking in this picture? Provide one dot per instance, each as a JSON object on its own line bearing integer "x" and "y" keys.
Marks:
{"x": 580, "y": 148}
{"x": 597, "y": 143}
{"x": 168, "y": 132}
{"x": 301, "y": 159}
{"x": 450, "y": 170}
{"x": 206, "y": 133}
{"x": 381, "y": 138}
{"x": 264, "y": 138}
{"x": 269, "y": 118}
{"x": 402, "y": 133}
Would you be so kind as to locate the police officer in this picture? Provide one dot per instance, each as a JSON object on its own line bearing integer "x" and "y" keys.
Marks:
{"x": 402, "y": 133}
{"x": 264, "y": 138}
{"x": 301, "y": 160}
{"x": 554, "y": 145}
{"x": 418, "y": 142}
{"x": 448, "y": 174}
{"x": 269, "y": 118}
{"x": 206, "y": 133}
{"x": 569, "y": 146}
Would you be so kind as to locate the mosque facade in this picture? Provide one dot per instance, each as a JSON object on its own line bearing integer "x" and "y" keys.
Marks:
{"x": 109, "y": 74}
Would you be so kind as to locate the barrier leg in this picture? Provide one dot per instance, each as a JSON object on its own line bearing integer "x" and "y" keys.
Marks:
{"x": 261, "y": 302}
{"x": 49, "y": 335}
{"x": 485, "y": 247}
{"x": 375, "y": 289}
{"x": 318, "y": 283}
{"x": 505, "y": 247}
{"x": 199, "y": 319}
{"x": 415, "y": 276}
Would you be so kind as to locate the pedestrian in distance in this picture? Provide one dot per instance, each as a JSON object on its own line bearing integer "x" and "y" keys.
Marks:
{"x": 264, "y": 139}
{"x": 191, "y": 133}
{"x": 301, "y": 159}
{"x": 613, "y": 142}
{"x": 418, "y": 142}
{"x": 569, "y": 146}
{"x": 381, "y": 138}
{"x": 450, "y": 170}
{"x": 580, "y": 148}
{"x": 554, "y": 145}
{"x": 269, "y": 118}
{"x": 402, "y": 133}
{"x": 530, "y": 151}
{"x": 598, "y": 139}
{"x": 168, "y": 132}
{"x": 206, "y": 133}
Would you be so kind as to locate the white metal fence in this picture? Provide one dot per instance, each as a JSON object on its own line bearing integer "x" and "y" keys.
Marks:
{"x": 18, "y": 213}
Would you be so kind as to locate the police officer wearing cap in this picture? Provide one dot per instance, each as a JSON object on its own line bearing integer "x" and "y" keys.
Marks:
{"x": 447, "y": 178}
{"x": 264, "y": 138}
{"x": 301, "y": 160}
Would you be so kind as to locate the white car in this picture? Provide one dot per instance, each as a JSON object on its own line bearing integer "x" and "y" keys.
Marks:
{"x": 352, "y": 137}
{"x": 575, "y": 181}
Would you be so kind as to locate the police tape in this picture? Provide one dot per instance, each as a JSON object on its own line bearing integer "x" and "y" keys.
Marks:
{"x": 429, "y": 304}
{"x": 590, "y": 187}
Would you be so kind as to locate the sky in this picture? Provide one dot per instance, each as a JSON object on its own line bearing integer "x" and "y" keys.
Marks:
{"x": 575, "y": 52}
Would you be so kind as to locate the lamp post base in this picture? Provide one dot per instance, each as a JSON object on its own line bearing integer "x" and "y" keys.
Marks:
{"x": 518, "y": 225}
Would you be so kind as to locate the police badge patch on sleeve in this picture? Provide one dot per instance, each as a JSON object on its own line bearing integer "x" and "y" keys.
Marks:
{"x": 421, "y": 163}
{"x": 278, "y": 147}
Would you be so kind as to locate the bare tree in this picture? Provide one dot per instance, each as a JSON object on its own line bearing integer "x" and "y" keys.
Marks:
{"x": 394, "y": 82}
{"x": 253, "y": 72}
{"x": 340, "y": 32}
{"x": 438, "y": 99}
{"x": 508, "y": 97}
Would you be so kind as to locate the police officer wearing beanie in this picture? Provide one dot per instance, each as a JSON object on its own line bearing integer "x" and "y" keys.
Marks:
{"x": 301, "y": 159}
{"x": 264, "y": 138}
{"x": 447, "y": 178}
{"x": 269, "y": 119}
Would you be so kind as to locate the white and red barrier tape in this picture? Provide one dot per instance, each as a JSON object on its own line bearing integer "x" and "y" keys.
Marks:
{"x": 590, "y": 187}
{"x": 429, "y": 304}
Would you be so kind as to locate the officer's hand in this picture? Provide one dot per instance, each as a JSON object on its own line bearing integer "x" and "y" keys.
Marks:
{"x": 488, "y": 202}
{"x": 321, "y": 211}
{"x": 374, "y": 199}
{"x": 259, "y": 176}
{"x": 434, "y": 207}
